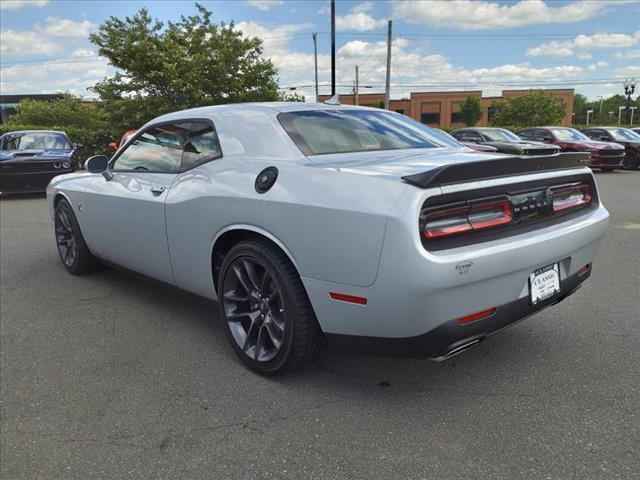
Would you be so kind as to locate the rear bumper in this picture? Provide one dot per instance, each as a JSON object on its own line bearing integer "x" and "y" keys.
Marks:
{"x": 451, "y": 337}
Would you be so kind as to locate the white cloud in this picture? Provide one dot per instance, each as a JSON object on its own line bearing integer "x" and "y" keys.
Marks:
{"x": 26, "y": 43}
{"x": 584, "y": 56}
{"x": 597, "y": 41}
{"x": 482, "y": 15}
{"x": 16, "y": 4}
{"x": 64, "y": 27}
{"x": 629, "y": 55}
{"x": 359, "y": 19}
{"x": 73, "y": 75}
{"x": 264, "y": 5}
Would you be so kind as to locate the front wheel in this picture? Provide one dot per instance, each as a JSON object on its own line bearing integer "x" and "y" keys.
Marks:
{"x": 630, "y": 163}
{"x": 73, "y": 251}
{"x": 270, "y": 321}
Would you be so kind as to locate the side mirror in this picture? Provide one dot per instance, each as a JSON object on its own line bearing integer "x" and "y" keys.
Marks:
{"x": 547, "y": 139}
{"x": 76, "y": 146}
{"x": 97, "y": 163}
{"x": 113, "y": 146}
{"x": 605, "y": 139}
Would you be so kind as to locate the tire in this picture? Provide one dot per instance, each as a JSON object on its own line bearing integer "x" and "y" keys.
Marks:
{"x": 608, "y": 169}
{"x": 630, "y": 163}
{"x": 269, "y": 320}
{"x": 73, "y": 251}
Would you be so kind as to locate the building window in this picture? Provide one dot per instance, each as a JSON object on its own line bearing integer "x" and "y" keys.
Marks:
{"x": 430, "y": 113}
{"x": 491, "y": 111}
{"x": 400, "y": 110}
{"x": 456, "y": 115}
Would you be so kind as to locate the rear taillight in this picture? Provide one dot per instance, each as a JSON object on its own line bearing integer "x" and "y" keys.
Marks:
{"x": 570, "y": 196}
{"x": 466, "y": 218}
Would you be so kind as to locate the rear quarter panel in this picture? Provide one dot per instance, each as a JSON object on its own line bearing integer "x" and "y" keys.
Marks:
{"x": 331, "y": 223}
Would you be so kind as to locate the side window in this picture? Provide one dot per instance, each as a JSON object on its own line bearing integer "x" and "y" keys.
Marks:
{"x": 158, "y": 150}
{"x": 202, "y": 145}
{"x": 527, "y": 135}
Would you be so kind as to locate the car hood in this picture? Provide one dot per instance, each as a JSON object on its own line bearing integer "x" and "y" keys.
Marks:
{"x": 595, "y": 144}
{"x": 523, "y": 144}
{"x": 34, "y": 155}
{"x": 399, "y": 163}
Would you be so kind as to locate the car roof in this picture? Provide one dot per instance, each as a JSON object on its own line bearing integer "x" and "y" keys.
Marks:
{"x": 263, "y": 107}
{"x": 33, "y": 131}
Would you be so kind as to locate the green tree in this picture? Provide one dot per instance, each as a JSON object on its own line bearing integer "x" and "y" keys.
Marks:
{"x": 68, "y": 111}
{"x": 532, "y": 110}
{"x": 163, "y": 68}
{"x": 580, "y": 106}
{"x": 471, "y": 111}
{"x": 84, "y": 124}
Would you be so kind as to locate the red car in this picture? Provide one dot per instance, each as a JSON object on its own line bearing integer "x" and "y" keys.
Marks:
{"x": 128, "y": 134}
{"x": 604, "y": 155}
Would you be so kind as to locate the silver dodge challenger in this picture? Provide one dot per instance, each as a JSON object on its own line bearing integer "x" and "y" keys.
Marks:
{"x": 322, "y": 221}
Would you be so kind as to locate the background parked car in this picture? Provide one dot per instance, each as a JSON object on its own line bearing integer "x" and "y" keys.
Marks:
{"x": 606, "y": 156}
{"x": 624, "y": 136}
{"x": 29, "y": 159}
{"x": 127, "y": 135}
{"x": 503, "y": 141}
{"x": 473, "y": 146}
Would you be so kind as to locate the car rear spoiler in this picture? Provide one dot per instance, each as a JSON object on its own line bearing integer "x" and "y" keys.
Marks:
{"x": 496, "y": 167}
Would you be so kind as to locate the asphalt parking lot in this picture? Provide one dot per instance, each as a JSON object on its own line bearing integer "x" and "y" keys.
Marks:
{"x": 115, "y": 376}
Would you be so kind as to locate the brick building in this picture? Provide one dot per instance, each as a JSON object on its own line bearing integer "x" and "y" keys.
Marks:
{"x": 442, "y": 109}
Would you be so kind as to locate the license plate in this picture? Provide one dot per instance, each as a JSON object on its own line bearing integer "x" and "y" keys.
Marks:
{"x": 544, "y": 283}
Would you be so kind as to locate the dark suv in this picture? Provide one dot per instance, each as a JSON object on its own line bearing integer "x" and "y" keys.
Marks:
{"x": 624, "y": 136}
{"x": 606, "y": 156}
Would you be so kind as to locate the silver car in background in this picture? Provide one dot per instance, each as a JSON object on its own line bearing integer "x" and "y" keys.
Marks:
{"x": 354, "y": 224}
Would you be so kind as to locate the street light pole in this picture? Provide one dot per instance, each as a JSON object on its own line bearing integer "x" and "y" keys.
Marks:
{"x": 315, "y": 57}
{"x": 629, "y": 87}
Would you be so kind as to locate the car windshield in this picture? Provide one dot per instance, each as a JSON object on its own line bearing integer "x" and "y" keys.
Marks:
{"x": 568, "y": 134}
{"x": 36, "y": 141}
{"x": 624, "y": 134}
{"x": 499, "y": 134}
{"x": 317, "y": 132}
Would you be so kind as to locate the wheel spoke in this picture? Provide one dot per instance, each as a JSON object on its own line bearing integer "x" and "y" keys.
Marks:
{"x": 237, "y": 271}
{"x": 260, "y": 346}
{"x": 275, "y": 334}
{"x": 234, "y": 297}
{"x": 251, "y": 275}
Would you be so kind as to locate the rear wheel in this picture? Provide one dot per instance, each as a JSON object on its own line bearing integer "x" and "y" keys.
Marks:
{"x": 75, "y": 255}
{"x": 270, "y": 322}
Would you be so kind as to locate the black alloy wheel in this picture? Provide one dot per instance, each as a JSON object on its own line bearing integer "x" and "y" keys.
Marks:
{"x": 270, "y": 322}
{"x": 65, "y": 238}
{"x": 254, "y": 309}
{"x": 73, "y": 250}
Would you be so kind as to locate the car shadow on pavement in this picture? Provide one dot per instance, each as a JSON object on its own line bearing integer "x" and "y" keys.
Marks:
{"x": 342, "y": 372}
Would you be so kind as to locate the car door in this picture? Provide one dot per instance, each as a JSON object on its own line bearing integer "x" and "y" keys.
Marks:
{"x": 126, "y": 206}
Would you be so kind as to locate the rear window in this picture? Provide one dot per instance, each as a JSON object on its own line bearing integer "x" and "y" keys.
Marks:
{"x": 318, "y": 132}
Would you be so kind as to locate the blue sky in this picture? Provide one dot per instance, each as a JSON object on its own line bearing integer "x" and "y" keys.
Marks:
{"x": 459, "y": 45}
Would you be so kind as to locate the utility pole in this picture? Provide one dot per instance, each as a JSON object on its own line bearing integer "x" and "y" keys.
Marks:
{"x": 356, "y": 102}
{"x": 333, "y": 47}
{"x": 315, "y": 56}
{"x": 387, "y": 82}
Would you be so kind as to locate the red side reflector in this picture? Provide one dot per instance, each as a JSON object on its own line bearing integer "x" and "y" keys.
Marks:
{"x": 477, "y": 316}
{"x": 584, "y": 270}
{"x": 343, "y": 297}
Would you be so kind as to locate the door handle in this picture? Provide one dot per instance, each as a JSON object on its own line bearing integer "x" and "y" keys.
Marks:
{"x": 157, "y": 189}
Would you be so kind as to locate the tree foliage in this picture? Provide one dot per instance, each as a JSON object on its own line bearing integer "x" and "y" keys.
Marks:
{"x": 532, "y": 110}
{"x": 470, "y": 111}
{"x": 68, "y": 111}
{"x": 164, "y": 68}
